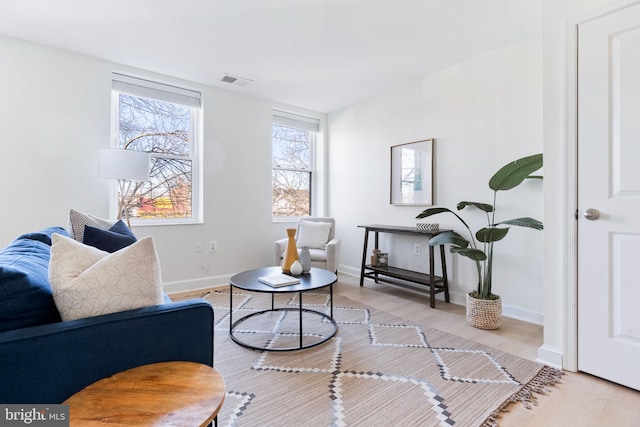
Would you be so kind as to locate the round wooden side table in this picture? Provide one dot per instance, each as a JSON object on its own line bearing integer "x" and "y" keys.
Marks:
{"x": 159, "y": 394}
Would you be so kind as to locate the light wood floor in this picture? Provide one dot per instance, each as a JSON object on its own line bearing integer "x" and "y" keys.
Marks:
{"x": 579, "y": 400}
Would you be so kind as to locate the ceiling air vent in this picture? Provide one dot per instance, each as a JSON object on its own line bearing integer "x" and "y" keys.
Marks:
{"x": 234, "y": 80}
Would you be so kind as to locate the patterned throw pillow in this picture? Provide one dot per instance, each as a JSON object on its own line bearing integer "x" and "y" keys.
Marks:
{"x": 77, "y": 221}
{"x": 89, "y": 282}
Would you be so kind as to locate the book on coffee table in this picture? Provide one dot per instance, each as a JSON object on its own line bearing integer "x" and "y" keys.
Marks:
{"x": 278, "y": 280}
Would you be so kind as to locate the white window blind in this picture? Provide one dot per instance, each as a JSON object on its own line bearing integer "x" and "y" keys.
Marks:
{"x": 154, "y": 90}
{"x": 296, "y": 121}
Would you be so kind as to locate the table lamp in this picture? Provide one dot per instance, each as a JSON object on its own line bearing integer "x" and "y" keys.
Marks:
{"x": 126, "y": 166}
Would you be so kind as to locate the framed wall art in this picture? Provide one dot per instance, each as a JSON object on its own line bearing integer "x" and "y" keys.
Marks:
{"x": 412, "y": 173}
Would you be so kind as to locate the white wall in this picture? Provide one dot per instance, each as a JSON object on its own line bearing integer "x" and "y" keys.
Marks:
{"x": 483, "y": 113}
{"x": 55, "y": 115}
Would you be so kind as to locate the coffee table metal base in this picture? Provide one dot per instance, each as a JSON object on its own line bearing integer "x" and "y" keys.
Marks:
{"x": 300, "y": 310}
{"x": 301, "y": 346}
{"x": 315, "y": 279}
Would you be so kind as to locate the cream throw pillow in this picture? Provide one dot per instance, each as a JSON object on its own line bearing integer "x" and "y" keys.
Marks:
{"x": 313, "y": 234}
{"x": 89, "y": 282}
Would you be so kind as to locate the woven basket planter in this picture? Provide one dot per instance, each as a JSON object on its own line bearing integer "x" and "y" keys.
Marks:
{"x": 484, "y": 313}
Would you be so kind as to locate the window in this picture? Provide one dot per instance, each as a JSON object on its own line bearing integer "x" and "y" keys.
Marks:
{"x": 293, "y": 145}
{"x": 164, "y": 121}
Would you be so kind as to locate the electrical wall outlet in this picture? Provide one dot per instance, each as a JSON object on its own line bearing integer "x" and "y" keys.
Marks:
{"x": 198, "y": 247}
{"x": 213, "y": 246}
{"x": 416, "y": 249}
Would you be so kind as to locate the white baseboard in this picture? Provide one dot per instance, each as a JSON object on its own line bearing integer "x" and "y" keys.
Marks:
{"x": 461, "y": 299}
{"x": 524, "y": 315}
{"x": 195, "y": 284}
{"x": 351, "y": 271}
{"x": 456, "y": 298}
{"x": 550, "y": 356}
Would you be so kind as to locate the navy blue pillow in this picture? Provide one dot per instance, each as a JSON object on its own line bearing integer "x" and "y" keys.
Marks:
{"x": 117, "y": 237}
{"x": 25, "y": 293}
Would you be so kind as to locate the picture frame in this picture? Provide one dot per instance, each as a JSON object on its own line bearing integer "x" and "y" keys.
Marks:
{"x": 383, "y": 259}
{"x": 412, "y": 173}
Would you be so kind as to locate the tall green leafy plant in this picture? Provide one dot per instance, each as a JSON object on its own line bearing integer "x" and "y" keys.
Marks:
{"x": 480, "y": 247}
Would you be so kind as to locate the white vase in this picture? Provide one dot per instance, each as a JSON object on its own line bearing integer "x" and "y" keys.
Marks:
{"x": 305, "y": 259}
{"x": 296, "y": 268}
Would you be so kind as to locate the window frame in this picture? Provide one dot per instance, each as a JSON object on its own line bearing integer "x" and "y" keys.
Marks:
{"x": 170, "y": 93}
{"x": 312, "y": 125}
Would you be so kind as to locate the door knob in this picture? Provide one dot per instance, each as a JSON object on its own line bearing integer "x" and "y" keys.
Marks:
{"x": 591, "y": 214}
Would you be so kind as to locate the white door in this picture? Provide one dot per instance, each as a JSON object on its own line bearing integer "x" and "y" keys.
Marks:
{"x": 609, "y": 183}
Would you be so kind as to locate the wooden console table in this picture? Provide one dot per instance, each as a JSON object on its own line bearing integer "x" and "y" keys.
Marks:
{"x": 429, "y": 283}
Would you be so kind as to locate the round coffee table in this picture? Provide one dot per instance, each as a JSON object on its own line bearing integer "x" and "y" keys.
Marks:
{"x": 317, "y": 278}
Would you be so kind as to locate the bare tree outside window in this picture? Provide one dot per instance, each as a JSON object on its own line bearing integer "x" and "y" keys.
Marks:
{"x": 291, "y": 172}
{"x": 164, "y": 130}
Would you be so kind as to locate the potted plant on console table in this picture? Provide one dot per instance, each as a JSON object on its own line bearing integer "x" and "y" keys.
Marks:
{"x": 484, "y": 308}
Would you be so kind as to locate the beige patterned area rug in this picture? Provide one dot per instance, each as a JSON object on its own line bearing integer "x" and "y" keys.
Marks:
{"x": 378, "y": 369}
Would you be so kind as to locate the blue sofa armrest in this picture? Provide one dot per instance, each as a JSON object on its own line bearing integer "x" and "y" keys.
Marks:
{"x": 49, "y": 363}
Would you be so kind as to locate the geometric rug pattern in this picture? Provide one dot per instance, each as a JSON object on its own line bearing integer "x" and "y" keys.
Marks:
{"x": 378, "y": 370}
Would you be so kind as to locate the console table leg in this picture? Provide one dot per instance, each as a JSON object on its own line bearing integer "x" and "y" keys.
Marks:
{"x": 364, "y": 257}
{"x": 445, "y": 282}
{"x": 432, "y": 279}
{"x": 375, "y": 246}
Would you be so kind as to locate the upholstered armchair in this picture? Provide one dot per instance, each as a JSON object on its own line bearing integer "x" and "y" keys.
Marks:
{"x": 318, "y": 233}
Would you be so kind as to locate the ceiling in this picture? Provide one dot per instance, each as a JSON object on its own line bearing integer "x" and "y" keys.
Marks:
{"x": 322, "y": 55}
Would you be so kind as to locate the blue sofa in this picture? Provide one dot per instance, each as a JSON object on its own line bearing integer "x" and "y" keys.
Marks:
{"x": 45, "y": 360}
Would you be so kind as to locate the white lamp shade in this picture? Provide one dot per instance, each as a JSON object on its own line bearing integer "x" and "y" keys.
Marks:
{"x": 123, "y": 164}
